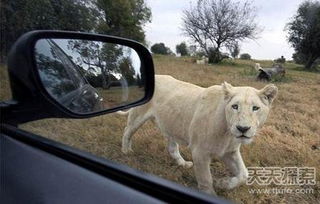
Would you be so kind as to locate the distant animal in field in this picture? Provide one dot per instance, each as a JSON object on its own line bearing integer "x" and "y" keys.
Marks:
{"x": 213, "y": 122}
{"x": 267, "y": 73}
{"x": 257, "y": 67}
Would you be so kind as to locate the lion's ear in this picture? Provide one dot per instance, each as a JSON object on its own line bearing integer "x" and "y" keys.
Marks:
{"x": 227, "y": 90}
{"x": 269, "y": 92}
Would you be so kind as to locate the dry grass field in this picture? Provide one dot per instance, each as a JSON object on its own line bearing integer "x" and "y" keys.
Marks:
{"x": 291, "y": 136}
{"x": 114, "y": 97}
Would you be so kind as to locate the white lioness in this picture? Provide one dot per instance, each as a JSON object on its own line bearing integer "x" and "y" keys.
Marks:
{"x": 213, "y": 122}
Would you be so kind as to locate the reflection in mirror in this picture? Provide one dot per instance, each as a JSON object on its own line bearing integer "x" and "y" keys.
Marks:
{"x": 89, "y": 76}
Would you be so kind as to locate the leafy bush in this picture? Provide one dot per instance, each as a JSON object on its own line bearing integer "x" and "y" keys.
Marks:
{"x": 215, "y": 56}
{"x": 160, "y": 48}
{"x": 182, "y": 49}
{"x": 229, "y": 62}
{"x": 245, "y": 56}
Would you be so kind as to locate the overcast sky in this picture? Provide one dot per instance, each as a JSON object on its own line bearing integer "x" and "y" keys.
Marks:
{"x": 272, "y": 16}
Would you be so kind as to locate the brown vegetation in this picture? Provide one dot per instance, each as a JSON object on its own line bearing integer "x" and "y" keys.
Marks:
{"x": 291, "y": 136}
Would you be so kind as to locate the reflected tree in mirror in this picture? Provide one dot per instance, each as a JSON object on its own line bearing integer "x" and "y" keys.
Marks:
{"x": 98, "y": 58}
{"x": 89, "y": 76}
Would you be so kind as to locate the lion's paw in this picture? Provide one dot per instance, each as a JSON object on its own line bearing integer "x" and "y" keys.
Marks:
{"x": 227, "y": 183}
{"x": 126, "y": 150}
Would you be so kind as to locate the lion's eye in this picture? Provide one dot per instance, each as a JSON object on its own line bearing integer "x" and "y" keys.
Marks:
{"x": 255, "y": 108}
{"x": 235, "y": 106}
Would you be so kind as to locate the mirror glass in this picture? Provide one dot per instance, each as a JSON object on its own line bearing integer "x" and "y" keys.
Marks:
{"x": 89, "y": 76}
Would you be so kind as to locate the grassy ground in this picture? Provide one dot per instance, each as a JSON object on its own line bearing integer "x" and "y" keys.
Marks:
{"x": 291, "y": 136}
{"x": 113, "y": 97}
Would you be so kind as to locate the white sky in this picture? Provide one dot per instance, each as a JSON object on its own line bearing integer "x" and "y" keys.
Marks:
{"x": 272, "y": 16}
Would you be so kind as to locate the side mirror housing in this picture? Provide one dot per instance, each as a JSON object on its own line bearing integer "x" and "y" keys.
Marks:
{"x": 62, "y": 74}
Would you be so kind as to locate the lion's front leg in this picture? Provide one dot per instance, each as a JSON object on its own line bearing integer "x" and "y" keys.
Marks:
{"x": 234, "y": 162}
{"x": 201, "y": 163}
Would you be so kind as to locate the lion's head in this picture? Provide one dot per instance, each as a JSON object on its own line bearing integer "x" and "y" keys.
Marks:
{"x": 247, "y": 109}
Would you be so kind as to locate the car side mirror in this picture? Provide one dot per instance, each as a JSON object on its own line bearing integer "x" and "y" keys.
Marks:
{"x": 88, "y": 76}
{"x": 79, "y": 75}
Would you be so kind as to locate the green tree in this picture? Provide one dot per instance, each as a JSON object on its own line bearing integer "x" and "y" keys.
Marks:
{"x": 304, "y": 33}
{"x": 127, "y": 70}
{"x": 245, "y": 56}
{"x": 124, "y": 18}
{"x": 298, "y": 58}
{"x": 21, "y": 16}
{"x": 160, "y": 48}
{"x": 182, "y": 49}
{"x": 100, "y": 57}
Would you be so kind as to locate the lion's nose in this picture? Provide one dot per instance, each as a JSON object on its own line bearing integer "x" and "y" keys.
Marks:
{"x": 243, "y": 129}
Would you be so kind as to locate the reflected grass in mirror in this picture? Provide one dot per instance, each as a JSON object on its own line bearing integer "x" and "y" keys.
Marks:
{"x": 112, "y": 96}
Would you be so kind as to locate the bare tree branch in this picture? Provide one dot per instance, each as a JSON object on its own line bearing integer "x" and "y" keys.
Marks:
{"x": 214, "y": 24}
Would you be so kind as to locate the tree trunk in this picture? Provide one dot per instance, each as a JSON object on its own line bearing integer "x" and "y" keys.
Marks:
{"x": 108, "y": 80}
{"x": 309, "y": 63}
{"x": 215, "y": 56}
{"x": 218, "y": 57}
{"x": 104, "y": 79}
